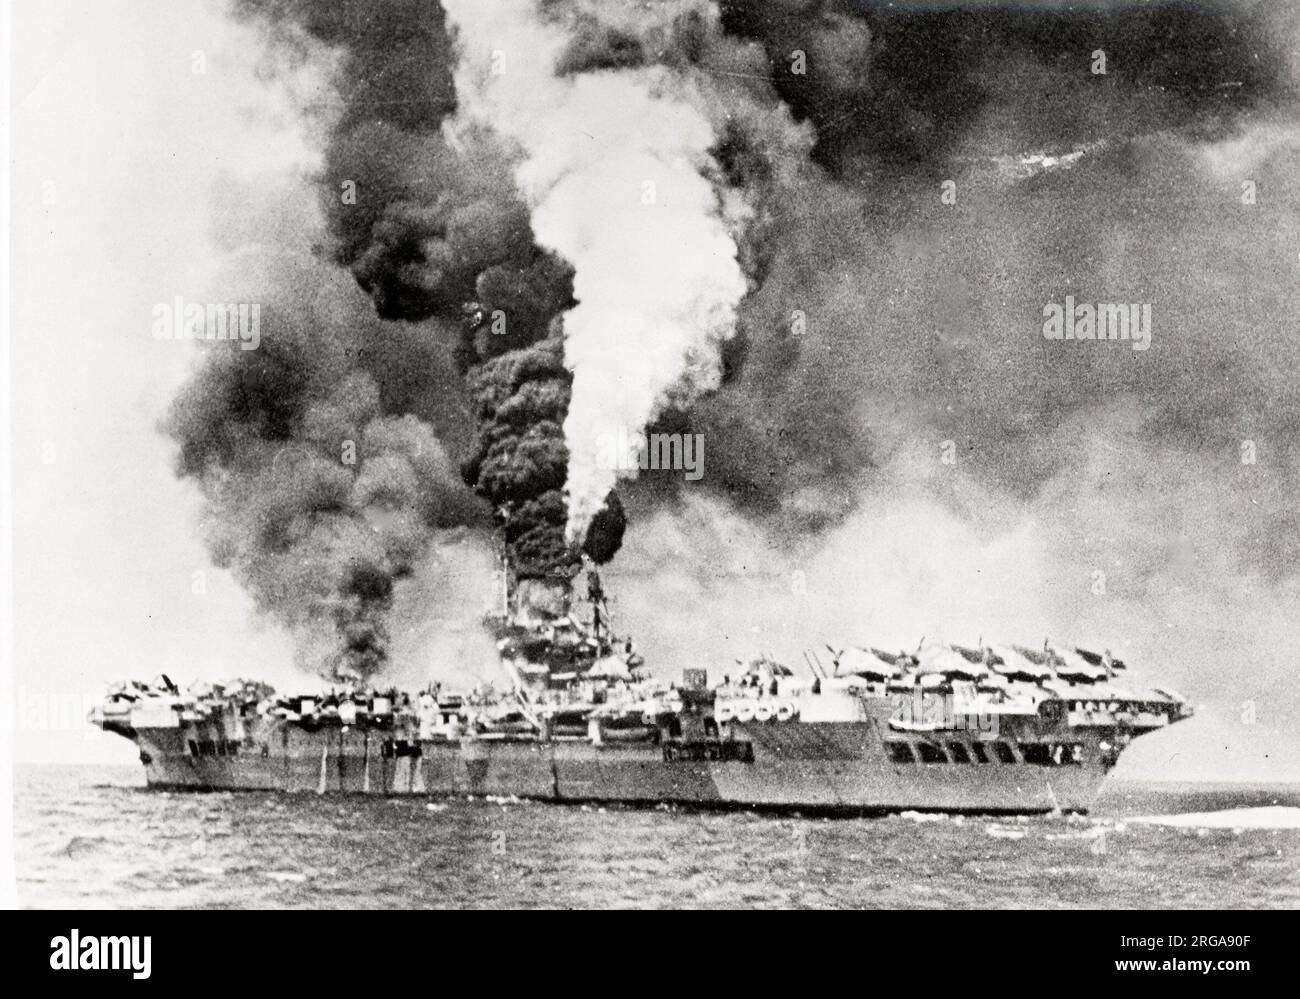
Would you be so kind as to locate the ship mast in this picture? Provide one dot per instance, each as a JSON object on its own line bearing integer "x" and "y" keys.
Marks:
{"x": 600, "y": 624}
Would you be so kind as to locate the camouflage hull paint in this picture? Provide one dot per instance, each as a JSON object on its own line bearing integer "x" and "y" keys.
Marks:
{"x": 835, "y": 766}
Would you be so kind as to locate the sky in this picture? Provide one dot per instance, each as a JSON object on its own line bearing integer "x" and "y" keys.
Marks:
{"x": 118, "y": 146}
{"x": 144, "y": 130}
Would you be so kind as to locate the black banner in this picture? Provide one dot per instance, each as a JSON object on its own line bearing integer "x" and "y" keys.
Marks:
{"x": 138, "y": 948}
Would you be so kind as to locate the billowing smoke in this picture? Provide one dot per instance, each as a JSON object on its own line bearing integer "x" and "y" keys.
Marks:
{"x": 615, "y": 169}
{"x": 434, "y": 198}
{"x": 520, "y": 462}
{"x": 436, "y": 231}
{"x": 916, "y": 459}
{"x": 922, "y": 321}
{"x": 323, "y": 486}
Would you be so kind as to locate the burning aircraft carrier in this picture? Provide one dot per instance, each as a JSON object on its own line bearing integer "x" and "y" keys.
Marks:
{"x": 578, "y": 221}
{"x": 579, "y": 719}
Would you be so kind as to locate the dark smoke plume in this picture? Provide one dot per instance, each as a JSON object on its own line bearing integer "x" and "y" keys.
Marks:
{"x": 321, "y": 492}
{"x": 435, "y": 231}
{"x": 521, "y": 397}
{"x": 893, "y": 286}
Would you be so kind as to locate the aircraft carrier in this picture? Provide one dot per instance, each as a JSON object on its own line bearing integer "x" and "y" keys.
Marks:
{"x": 986, "y": 728}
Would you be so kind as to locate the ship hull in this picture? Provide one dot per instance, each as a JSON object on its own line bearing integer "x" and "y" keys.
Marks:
{"x": 831, "y": 767}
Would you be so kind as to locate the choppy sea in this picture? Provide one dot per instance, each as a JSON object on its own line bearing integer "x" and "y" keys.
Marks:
{"x": 96, "y": 837}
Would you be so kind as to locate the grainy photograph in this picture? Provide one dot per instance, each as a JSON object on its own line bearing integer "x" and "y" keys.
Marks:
{"x": 653, "y": 454}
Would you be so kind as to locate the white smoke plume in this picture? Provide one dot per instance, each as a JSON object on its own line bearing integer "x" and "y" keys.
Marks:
{"x": 614, "y": 169}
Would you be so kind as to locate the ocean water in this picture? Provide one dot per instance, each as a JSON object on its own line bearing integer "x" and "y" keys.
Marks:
{"x": 95, "y": 837}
